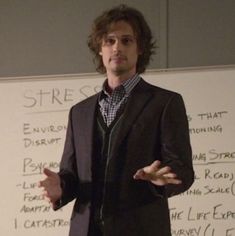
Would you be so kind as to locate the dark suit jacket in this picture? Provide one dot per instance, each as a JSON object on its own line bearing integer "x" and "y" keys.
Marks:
{"x": 154, "y": 127}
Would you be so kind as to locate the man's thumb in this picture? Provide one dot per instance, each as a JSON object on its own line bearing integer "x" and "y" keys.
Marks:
{"x": 48, "y": 172}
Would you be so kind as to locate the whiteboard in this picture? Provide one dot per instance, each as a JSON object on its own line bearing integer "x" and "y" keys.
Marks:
{"x": 33, "y": 123}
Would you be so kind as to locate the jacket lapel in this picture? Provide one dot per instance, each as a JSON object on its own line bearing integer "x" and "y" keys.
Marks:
{"x": 135, "y": 105}
{"x": 87, "y": 120}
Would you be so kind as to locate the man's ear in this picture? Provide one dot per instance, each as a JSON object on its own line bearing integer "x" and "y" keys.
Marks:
{"x": 100, "y": 53}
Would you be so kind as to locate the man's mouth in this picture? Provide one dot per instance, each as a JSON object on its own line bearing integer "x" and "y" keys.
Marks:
{"x": 118, "y": 59}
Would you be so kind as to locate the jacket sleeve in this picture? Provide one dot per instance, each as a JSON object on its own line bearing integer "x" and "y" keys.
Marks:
{"x": 175, "y": 144}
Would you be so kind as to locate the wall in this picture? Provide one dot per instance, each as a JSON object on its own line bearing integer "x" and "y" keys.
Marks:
{"x": 49, "y": 37}
{"x": 201, "y": 33}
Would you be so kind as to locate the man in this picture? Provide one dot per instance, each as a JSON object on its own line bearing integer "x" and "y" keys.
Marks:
{"x": 127, "y": 148}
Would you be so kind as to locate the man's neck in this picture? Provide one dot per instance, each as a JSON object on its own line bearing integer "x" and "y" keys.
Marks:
{"x": 116, "y": 80}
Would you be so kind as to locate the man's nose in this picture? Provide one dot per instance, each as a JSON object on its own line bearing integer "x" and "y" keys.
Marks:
{"x": 117, "y": 46}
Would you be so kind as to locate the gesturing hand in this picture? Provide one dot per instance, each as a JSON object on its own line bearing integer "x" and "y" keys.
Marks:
{"x": 51, "y": 186}
{"x": 157, "y": 175}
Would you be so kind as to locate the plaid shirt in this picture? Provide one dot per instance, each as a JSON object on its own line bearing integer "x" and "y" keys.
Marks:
{"x": 111, "y": 104}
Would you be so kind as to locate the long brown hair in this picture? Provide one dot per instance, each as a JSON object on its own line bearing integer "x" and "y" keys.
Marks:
{"x": 101, "y": 26}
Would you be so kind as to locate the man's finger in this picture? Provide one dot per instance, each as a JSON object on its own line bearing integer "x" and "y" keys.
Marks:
{"x": 152, "y": 167}
{"x": 45, "y": 183}
{"x": 48, "y": 172}
{"x": 41, "y": 184}
{"x": 164, "y": 170}
{"x": 170, "y": 175}
{"x": 155, "y": 165}
{"x": 174, "y": 181}
{"x": 140, "y": 174}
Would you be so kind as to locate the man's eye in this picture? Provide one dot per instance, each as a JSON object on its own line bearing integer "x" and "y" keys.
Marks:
{"x": 109, "y": 41}
{"x": 127, "y": 41}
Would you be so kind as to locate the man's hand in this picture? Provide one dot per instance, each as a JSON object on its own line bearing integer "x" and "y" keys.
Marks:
{"x": 157, "y": 175}
{"x": 51, "y": 186}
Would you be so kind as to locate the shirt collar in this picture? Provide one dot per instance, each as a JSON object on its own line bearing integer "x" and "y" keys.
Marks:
{"x": 128, "y": 85}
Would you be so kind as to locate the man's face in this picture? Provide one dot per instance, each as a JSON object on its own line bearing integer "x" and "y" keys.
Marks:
{"x": 119, "y": 50}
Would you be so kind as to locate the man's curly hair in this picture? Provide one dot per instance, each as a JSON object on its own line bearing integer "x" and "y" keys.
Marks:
{"x": 101, "y": 27}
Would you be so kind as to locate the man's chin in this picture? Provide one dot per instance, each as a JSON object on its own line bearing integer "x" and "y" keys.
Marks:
{"x": 119, "y": 71}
